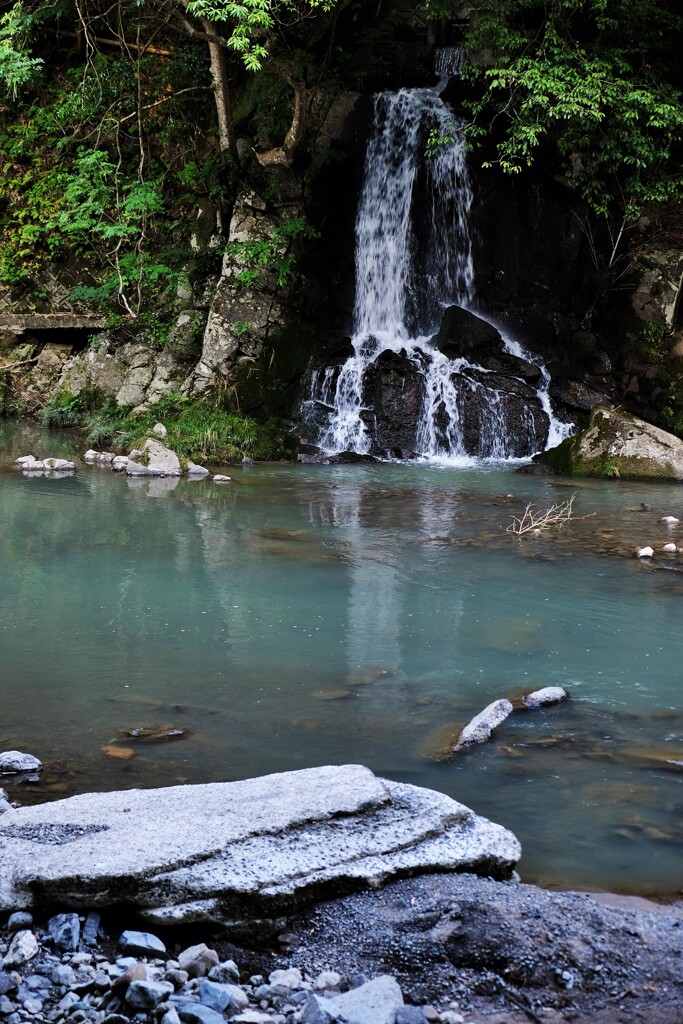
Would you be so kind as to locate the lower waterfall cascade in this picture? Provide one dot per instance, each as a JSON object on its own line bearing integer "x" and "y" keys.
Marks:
{"x": 411, "y": 373}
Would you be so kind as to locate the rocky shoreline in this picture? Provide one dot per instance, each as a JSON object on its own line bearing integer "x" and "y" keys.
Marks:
{"x": 434, "y": 948}
{"x": 319, "y": 896}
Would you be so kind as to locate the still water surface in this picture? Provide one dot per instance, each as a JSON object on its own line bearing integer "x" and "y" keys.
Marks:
{"x": 330, "y": 614}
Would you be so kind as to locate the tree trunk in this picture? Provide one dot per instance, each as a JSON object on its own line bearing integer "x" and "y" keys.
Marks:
{"x": 283, "y": 155}
{"x": 226, "y": 127}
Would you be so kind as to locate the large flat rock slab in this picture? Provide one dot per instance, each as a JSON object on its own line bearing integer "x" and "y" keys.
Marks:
{"x": 227, "y": 851}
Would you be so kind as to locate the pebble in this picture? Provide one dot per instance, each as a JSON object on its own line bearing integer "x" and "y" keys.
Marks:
{"x": 646, "y": 552}
{"x": 669, "y": 520}
{"x": 219, "y": 478}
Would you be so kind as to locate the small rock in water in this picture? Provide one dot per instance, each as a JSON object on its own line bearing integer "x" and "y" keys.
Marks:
{"x": 332, "y": 694}
{"x": 670, "y": 549}
{"x": 194, "y": 470}
{"x": 15, "y": 761}
{"x": 646, "y": 552}
{"x": 669, "y": 520}
{"x": 119, "y": 462}
{"x": 546, "y": 695}
{"x": 482, "y": 725}
{"x": 219, "y": 478}
{"x": 121, "y": 753}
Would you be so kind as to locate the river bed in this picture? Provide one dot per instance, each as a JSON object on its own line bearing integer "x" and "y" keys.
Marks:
{"x": 303, "y": 615}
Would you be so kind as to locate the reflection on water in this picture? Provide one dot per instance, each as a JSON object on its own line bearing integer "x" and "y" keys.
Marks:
{"x": 305, "y": 615}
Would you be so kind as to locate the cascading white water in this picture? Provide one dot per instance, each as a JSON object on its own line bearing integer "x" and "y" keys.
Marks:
{"x": 414, "y": 259}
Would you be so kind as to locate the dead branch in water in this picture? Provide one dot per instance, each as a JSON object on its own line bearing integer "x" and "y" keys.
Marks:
{"x": 533, "y": 519}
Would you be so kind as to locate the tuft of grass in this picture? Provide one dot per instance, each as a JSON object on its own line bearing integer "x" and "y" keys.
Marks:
{"x": 197, "y": 429}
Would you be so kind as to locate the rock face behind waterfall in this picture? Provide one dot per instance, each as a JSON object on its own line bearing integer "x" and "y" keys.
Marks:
{"x": 493, "y": 393}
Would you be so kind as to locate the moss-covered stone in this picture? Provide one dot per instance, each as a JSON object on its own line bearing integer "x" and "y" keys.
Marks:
{"x": 617, "y": 445}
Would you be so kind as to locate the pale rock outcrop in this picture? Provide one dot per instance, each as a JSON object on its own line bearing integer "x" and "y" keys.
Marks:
{"x": 226, "y": 851}
{"x": 241, "y": 318}
{"x": 546, "y": 695}
{"x": 154, "y": 459}
{"x": 480, "y": 728}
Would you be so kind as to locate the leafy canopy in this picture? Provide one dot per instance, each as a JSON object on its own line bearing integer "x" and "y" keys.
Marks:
{"x": 17, "y": 66}
{"x": 598, "y": 80}
{"x": 251, "y": 21}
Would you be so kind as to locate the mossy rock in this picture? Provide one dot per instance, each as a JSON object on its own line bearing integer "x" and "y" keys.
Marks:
{"x": 616, "y": 445}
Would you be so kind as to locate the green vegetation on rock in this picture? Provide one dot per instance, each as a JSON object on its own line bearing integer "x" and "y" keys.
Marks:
{"x": 198, "y": 429}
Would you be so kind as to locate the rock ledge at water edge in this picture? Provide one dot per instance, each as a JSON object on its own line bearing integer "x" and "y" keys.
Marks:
{"x": 228, "y": 851}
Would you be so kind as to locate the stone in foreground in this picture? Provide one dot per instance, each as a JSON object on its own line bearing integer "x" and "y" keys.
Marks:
{"x": 225, "y": 852}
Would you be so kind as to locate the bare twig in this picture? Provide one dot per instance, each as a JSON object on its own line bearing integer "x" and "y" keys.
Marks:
{"x": 15, "y": 366}
{"x": 533, "y": 519}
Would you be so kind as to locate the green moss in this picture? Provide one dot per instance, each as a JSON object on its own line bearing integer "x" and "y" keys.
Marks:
{"x": 560, "y": 459}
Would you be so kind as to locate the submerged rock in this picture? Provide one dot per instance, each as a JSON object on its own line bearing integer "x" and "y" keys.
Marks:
{"x": 225, "y": 851}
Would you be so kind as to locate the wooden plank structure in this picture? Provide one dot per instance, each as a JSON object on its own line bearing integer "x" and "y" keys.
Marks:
{"x": 18, "y": 323}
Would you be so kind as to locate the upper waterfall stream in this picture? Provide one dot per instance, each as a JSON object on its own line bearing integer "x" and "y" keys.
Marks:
{"x": 414, "y": 260}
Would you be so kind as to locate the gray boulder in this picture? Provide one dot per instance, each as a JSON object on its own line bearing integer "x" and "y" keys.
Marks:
{"x": 141, "y": 944}
{"x": 13, "y": 761}
{"x": 618, "y": 445}
{"x": 154, "y": 459}
{"x": 23, "y": 948}
{"x": 376, "y": 1002}
{"x": 546, "y": 695}
{"x": 226, "y": 851}
{"x": 65, "y": 931}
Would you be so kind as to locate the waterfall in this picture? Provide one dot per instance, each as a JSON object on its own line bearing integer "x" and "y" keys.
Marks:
{"x": 413, "y": 260}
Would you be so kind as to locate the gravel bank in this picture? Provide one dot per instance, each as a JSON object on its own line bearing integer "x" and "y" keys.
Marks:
{"x": 453, "y": 948}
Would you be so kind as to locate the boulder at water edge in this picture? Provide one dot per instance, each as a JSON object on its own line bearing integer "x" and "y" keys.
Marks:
{"x": 229, "y": 851}
{"x": 155, "y": 459}
{"x": 617, "y": 444}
